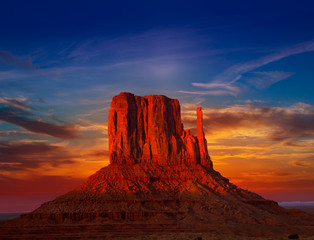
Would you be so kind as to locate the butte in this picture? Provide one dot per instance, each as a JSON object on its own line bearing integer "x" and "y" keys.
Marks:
{"x": 160, "y": 180}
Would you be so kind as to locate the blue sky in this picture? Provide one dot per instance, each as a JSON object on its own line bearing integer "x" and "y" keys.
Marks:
{"x": 246, "y": 62}
{"x": 240, "y": 49}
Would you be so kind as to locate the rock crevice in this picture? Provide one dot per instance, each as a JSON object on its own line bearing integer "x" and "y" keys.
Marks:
{"x": 149, "y": 130}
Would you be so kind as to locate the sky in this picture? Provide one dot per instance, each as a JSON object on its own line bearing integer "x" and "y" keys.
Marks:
{"x": 249, "y": 64}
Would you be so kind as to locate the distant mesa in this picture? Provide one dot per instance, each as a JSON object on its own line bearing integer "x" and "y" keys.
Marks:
{"x": 160, "y": 179}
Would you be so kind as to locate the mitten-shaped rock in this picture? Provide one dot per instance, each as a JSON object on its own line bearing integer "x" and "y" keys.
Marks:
{"x": 160, "y": 180}
{"x": 149, "y": 129}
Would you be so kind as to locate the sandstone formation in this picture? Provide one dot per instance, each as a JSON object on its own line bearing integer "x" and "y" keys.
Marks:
{"x": 149, "y": 130}
{"x": 160, "y": 179}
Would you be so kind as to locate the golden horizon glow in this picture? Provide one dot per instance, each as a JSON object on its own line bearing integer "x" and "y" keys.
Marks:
{"x": 246, "y": 151}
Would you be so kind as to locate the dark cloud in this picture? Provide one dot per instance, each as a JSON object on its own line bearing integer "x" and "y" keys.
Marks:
{"x": 98, "y": 153}
{"x": 17, "y": 113}
{"x": 286, "y": 124}
{"x": 11, "y": 59}
{"x": 303, "y": 163}
{"x": 20, "y": 156}
{"x": 16, "y": 156}
{"x": 299, "y": 164}
{"x": 16, "y": 133}
{"x": 16, "y": 102}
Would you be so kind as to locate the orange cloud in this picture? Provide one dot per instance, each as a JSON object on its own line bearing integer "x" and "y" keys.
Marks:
{"x": 263, "y": 147}
{"x": 284, "y": 123}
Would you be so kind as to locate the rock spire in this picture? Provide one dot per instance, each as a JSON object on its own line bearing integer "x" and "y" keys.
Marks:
{"x": 204, "y": 157}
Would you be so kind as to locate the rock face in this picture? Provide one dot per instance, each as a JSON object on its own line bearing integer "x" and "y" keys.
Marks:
{"x": 204, "y": 157}
{"x": 149, "y": 130}
{"x": 160, "y": 179}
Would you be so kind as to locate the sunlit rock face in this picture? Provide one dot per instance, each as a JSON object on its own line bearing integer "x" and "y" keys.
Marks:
{"x": 149, "y": 130}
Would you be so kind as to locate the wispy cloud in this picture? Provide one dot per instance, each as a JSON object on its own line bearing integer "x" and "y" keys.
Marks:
{"x": 19, "y": 156}
{"x": 13, "y": 74}
{"x": 150, "y": 44}
{"x": 151, "y": 56}
{"x": 213, "y": 92}
{"x": 263, "y": 80}
{"x": 15, "y": 133}
{"x": 148, "y": 56}
{"x": 305, "y": 164}
{"x": 19, "y": 102}
{"x": 16, "y": 111}
{"x": 228, "y": 81}
{"x": 13, "y": 60}
{"x": 24, "y": 159}
{"x": 282, "y": 124}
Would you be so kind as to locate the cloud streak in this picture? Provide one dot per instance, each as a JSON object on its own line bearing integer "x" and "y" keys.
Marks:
{"x": 16, "y": 102}
{"x": 228, "y": 81}
{"x": 213, "y": 92}
{"x": 18, "y": 156}
{"x": 15, "y": 133}
{"x": 305, "y": 164}
{"x": 147, "y": 56}
{"x": 12, "y": 60}
{"x": 284, "y": 124}
{"x": 263, "y": 80}
{"x": 15, "y": 111}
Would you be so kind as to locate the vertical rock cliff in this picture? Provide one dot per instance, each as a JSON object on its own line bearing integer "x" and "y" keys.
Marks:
{"x": 204, "y": 157}
{"x": 149, "y": 129}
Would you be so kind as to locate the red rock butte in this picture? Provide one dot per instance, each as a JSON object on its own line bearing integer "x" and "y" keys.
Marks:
{"x": 149, "y": 130}
{"x": 160, "y": 179}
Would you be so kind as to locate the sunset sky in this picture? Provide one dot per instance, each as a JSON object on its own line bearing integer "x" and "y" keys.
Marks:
{"x": 249, "y": 64}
